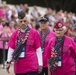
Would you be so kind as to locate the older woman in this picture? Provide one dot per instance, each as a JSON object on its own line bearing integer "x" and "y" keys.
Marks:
{"x": 61, "y": 53}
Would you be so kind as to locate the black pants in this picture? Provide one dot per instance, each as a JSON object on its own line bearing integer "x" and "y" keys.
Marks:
{"x": 1, "y": 55}
{"x": 75, "y": 73}
{"x": 29, "y": 73}
{"x": 44, "y": 71}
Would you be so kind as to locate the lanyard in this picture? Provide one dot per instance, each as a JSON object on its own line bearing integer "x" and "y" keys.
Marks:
{"x": 43, "y": 38}
{"x": 19, "y": 38}
{"x": 58, "y": 45}
{"x": 19, "y": 47}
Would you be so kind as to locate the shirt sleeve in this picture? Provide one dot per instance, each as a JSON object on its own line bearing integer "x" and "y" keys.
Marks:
{"x": 10, "y": 52}
{"x": 39, "y": 55}
{"x": 12, "y": 41}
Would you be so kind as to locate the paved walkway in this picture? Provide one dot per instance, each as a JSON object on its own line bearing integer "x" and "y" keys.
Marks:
{"x": 3, "y": 71}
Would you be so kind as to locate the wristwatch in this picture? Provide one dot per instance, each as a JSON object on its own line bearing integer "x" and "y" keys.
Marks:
{"x": 9, "y": 62}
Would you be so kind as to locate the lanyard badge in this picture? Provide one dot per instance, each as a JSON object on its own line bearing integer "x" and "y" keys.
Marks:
{"x": 23, "y": 53}
{"x": 59, "y": 61}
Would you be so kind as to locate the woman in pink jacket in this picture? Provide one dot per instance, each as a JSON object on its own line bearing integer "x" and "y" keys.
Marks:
{"x": 61, "y": 53}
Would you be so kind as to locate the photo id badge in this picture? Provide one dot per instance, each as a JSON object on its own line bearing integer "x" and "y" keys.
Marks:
{"x": 60, "y": 61}
{"x": 22, "y": 55}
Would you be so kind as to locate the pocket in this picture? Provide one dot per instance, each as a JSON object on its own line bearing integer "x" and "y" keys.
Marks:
{"x": 65, "y": 49}
{"x": 30, "y": 42}
{"x": 47, "y": 40}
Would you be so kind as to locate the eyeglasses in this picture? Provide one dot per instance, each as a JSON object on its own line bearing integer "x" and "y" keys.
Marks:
{"x": 44, "y": 22}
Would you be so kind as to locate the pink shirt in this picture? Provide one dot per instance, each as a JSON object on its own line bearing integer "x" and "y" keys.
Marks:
{"x": 2, "y": 12}
{"x": 49, "y": 36}
{"x": 5, "y": 36}
{"x": 12, "y": 29}
{"x": 1, "y": 28}
{"x": 30, "y": 62}
{"x": 69, "y": 53}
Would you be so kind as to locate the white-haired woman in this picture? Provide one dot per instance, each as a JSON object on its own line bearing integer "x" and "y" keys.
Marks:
{"x": 61, "y": 53}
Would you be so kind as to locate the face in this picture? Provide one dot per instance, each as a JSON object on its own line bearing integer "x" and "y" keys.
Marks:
{"x": 33, "y": 24}
{"x": 43, "y": 25}
{"x": 23, "y": 23}
{"x": 12, "y": 24}
{"x": 59, "y": 32}
{"x": 3, "y": 21}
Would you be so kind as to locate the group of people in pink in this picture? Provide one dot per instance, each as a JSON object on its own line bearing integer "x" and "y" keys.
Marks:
{"x": 44, "y": 51}
{"x": 38, "y": 45}
{"x": 6, "y": 30}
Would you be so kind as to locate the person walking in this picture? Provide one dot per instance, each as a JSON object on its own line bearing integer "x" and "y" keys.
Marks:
{"x": 25, "y": 49}
{"x": 45, "y": 34}
{"x": 61, "y": 53}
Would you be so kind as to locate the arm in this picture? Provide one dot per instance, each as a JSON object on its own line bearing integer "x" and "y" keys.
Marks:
{"x": 49, "y": 56}
{"x": 39, "y": 55}
{"x": 38, "y": 51}
{"x": 40, "y": 61}
{"x": 11, "y": 45}
{"x": 9, "y": 58}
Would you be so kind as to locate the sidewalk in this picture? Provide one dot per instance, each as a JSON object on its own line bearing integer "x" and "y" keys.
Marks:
{"x": 3, "y": 71}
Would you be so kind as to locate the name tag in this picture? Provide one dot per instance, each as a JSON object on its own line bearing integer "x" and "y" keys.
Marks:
{"x": 59, "y": 63}
{"x": 22, "y": 55}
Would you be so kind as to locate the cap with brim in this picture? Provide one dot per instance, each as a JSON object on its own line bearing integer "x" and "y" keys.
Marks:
{"x": 21, "y": 15}
{"x": 43, "y": 19}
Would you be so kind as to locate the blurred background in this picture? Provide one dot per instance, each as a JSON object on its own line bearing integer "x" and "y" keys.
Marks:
{"x": 54, "y": 10}
{"x": 68, "y": 5}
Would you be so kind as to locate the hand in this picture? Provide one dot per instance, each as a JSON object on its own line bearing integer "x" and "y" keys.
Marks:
{"x": 7, "y": 68}
{"x": 40, "y": 69}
